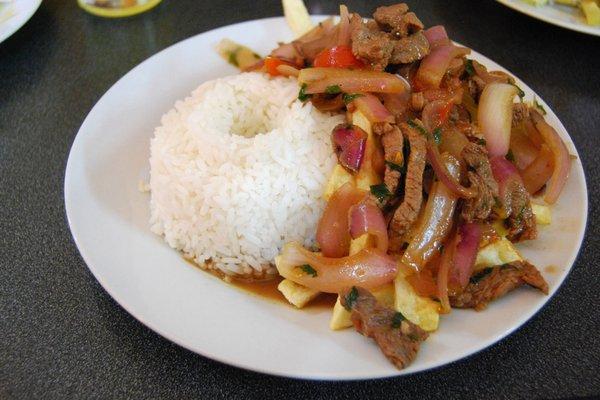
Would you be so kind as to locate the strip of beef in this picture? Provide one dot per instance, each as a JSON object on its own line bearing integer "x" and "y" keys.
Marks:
{"x": 392, "y": 141}
{"x": 494, "y": 282}
{"x": 520, "y": 113}
{"x": 397, "y": 20}
{"x": 409, "y": 49}
{"x": 521, "y": 220}
{"x": 398, "y": 338}
{"x": 408, "y": 211}
{"x": 378, "y": 48}
{"x": 481, "y": 178}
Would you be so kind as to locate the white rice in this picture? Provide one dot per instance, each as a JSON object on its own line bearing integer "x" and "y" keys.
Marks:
{"x": 238, "y": 169}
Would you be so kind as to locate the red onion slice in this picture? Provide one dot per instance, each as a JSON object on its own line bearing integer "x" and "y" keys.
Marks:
{"x": 349, "y": 142}
{"x": 495, "y": 116}
{"x": 436, "y": 35}
{"x": 465, "y": 254}
{"x": 373, "y": 109}
{"x": 366, "y": 217}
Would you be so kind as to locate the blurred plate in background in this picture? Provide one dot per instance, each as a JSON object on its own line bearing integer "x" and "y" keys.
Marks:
{"x": 14, "y": 14}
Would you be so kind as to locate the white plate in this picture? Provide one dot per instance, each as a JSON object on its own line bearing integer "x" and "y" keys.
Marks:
{"x": 556, "y": 14}
{"x": 109, "y": 221}
{"x": 22, "y": 10}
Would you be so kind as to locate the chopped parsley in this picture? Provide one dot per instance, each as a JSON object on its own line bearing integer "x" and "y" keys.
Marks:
{"x": 521, "y": 93}
{"x": 349, "y": 98}
{"x": 302, "y": 96}
{"x": 437, "y": 136}
{"x": 308, "y": 270}
{"x": 418, "y": 127}
{"x": 380, "y": 191}
{"x": 442, "y": 249}
{"x": 510, "y": 156}
{"x": 333, "y": 89}
{"x": 233, "y": 58}
{"x": 351, "y": 298}
{"x": 396, "y": 167}
{"x": 469, "y": 67}
{"x": 480, "y": 275}
{"x": 539, "y": 106}
{"x": 397, "y": 320}
{"x": 481, "y": 142}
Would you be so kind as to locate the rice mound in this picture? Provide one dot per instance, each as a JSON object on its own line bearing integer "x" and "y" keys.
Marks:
{"x": 237, "y": 169}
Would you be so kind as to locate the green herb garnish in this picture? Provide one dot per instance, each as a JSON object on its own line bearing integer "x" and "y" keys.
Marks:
{"x": 351, "y": 298}
{"x": 233, "y": 58}
{"x": 418, "y": 127}
{"x": 539, "y": 106}
{"x": 480, "y": 275}
{"x": 349, "y": 98}
{"x": 380, "y": 191}
{"x": 302, "y": 96}
{"x": 442, "y": 249}
{"x": 469, "y": 67}
{"x": 333, "y": 89}
{"x": 481, "y": 142}
{"x": 510, "y": 156}
{"x": 309, "y": 270}
{"x": 396, "y": 167}
{"x": 397, "y": 320}
{"x": 521, "y": 93}
{"x": 437, "y": 136}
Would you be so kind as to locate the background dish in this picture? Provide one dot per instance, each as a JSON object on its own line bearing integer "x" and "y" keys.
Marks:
{"x": 23, "y": 11}
{"x": 109, "y": 221}
{"x": 564, "y": 16}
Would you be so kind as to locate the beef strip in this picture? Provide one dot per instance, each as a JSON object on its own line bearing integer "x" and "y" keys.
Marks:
{"x": 397, "y": 20}
{"x": 392, "y": 141}
{"x": 406, "y": 214}
{"x": 395, "y": 37}
{"x": 494, "y": 282}
{"x": 482, "y": 179}
{"x": 521, "y": 221}
{"x": 398, "y": 338}
{"x": 520, "y": 113}
{"x": 409, "y": 49}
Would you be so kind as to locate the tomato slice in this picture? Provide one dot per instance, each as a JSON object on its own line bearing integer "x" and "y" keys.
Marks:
{"x": 338, "y": 57}
{"x": 271, "y": 64}
{"x": 445, "y": 112}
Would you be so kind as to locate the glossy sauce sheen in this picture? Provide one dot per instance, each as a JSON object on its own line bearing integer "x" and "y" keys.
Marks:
{"x": 267, "y": 289}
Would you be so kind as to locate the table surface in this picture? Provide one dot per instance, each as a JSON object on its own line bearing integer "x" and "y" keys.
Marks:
{"x": 62, "y": 336}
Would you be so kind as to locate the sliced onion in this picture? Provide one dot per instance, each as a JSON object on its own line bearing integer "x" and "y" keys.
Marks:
{"x": 366, "y": 217}
{"x": 431, "y": 114}
{"x": 372, "y": 108}
{"x": 436, "y": 221}
{"x": 350, "y": 81}
{"x": 444, "y": 274}
{"x": 287, "y": 70}
{"x": 490, "y": 77}
{"x": 523, "y": 148}
{"x": 344, "y": 27}
{"x": 333, "y": 234}
{"x": 369, "y": 268}
{"x": 451, "y": 183}
{"x": 562, "y": 159}
{"x": 539, "y": 171}
{"x": 504, "y": 173}
{"x": 349, "y": 142}
{"x": 323, "y": 36}
{"x": 495, "y": 116}
{"x": 436, "y": 35}
{"x": 465, "y": 254}
{"x": 287, "y": 52}
{"x": 434, "y": 66}
{"x": 453, "y": 142}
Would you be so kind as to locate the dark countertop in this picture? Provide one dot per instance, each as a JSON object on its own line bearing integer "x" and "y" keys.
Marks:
{"x": 62, "y": 336}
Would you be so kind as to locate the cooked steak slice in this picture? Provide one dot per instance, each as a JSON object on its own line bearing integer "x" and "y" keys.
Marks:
{"x": 520, "y": 113}
{"x": 521, "y": 221}
{"x": 392, "y": 141}
{"x": 398, "y": 338}
{"x": 494, "y": 282}
{"x": 406, "y": 214}
{"x": 409, "y": 49}
{"x": 397, "y": 20}
{"x": 481, "y": 178}
{"x": 372, "y": 46}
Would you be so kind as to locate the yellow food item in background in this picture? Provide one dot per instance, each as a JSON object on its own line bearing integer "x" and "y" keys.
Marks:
{"x": 339, "y": 177}
{"x": 497, "y": 253}
{"x": 591, "y": 11}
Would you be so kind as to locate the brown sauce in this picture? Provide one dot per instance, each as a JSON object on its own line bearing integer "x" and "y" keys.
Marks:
{"x": 267, "y": 289}
{"x": 551, "y": 269}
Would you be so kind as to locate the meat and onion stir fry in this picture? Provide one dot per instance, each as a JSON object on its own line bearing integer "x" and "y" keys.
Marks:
{"x": 439, "y": 159}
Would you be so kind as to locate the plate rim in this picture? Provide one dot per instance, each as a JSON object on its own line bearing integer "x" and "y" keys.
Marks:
{"x": 35, "y": 4}
{"x": 257, "y": 368}
{"x": 529, "y": 11}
